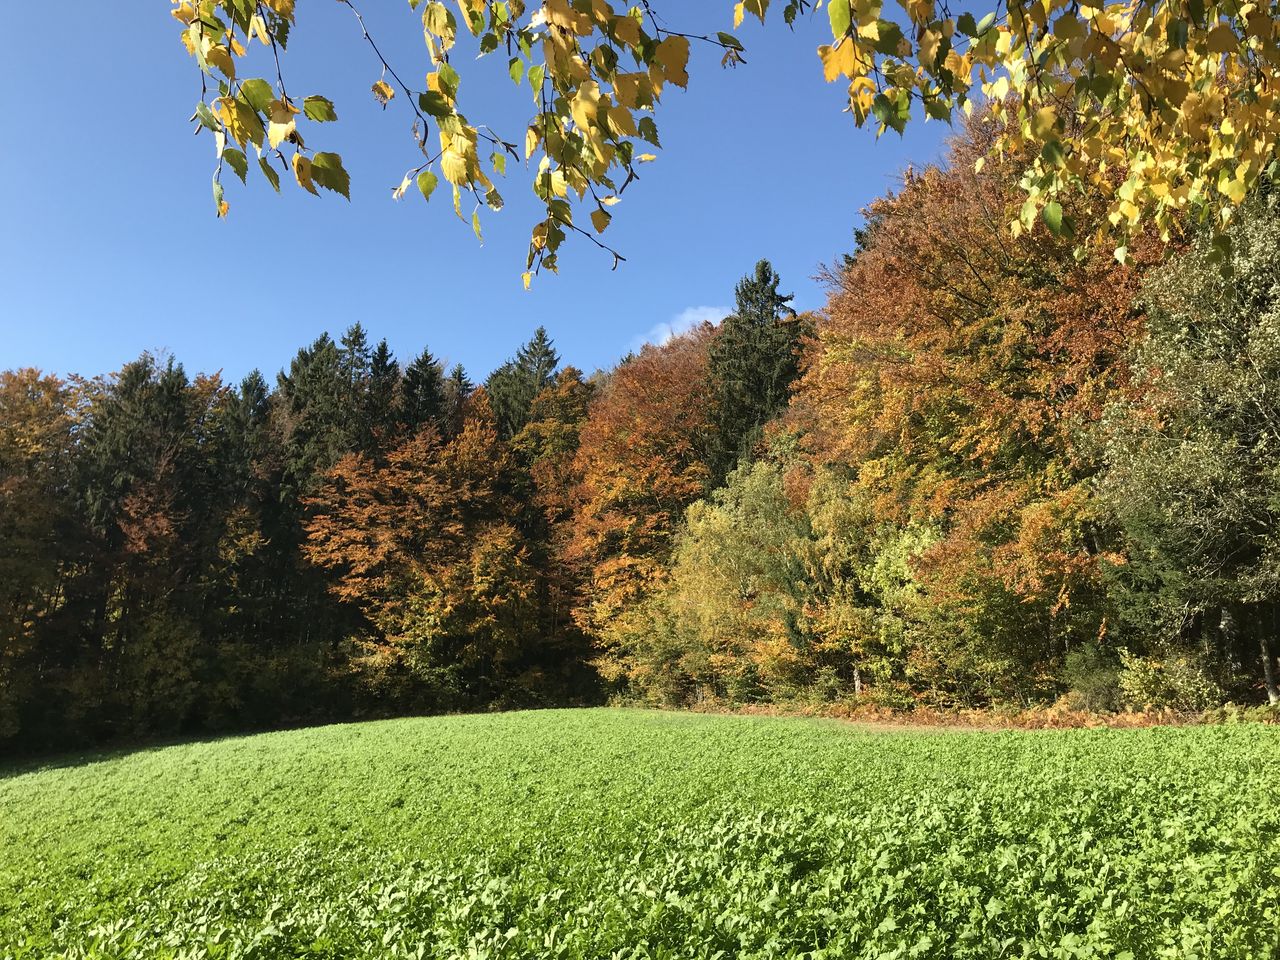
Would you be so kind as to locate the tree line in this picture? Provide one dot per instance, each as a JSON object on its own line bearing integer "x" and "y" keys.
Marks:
{"x": 990, "y": 471}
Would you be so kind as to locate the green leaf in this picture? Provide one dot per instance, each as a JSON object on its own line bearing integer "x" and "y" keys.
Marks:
{"x": 475, "y": 225}
{"x": 206, "y": 117}
{"x": 1052, "y": 215}
{"x": 269, "y": 172}
{"x": 449, "y": 80}
{"x": 841, "y": 17}
{"x": 967, "y": 25}
{"x": 890, "y": 37}
{"x": 217, "y": 196}
{"x": 327, "y": 171}
{"x": 730, "y": 41}
{"x": 435, "y": 104}
{"x": 516, "y": 69}
{"x": 319, "y": 109}
{"x": 237, "y": 161}
{"x": 257, "y": 93}
{"x": 937, "y": 110}
{"x": 648, "y": 130}
{"x": 427, "y": 182}
{"x": 536, "y": 75}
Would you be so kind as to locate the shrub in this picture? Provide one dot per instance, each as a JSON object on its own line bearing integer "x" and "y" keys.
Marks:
{"x": 1093, "y": 679}
{"x": 1175, "y": 682}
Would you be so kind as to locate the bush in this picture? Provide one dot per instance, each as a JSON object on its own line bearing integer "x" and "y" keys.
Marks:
{"x": 1093, "y": 680}
{"x": 1176, "y": 682}
{"x": 1236, "y": 713}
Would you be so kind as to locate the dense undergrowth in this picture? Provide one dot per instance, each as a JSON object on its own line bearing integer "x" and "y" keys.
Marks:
{"x": 639, "y": 834}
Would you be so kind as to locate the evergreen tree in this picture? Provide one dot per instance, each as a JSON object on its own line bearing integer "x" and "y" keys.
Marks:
{"x": 356, "y": 359}
{"x": 457, "y": 391}
{"x": 1191, "y": 467}
{"x": 380, "y": 398}
{"x": 422, "y": 395}
{"x": 753, "y": 363}
{"x": 513, "y": 387}
{"x": 315, "y": 423}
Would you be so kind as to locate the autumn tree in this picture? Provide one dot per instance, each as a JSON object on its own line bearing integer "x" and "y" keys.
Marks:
{"x": 423, "y": 544}
{"x": 38, "y": 527}
{"x": 955, "y": 371}
{"x": 545, "y": 451}
{"x": 641, "y": 460}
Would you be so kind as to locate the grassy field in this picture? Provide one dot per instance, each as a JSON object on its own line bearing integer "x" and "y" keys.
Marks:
{"x": 636, "y": 834}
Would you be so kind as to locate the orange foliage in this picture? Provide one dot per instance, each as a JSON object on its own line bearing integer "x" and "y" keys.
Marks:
{"x": 421, "y": 542}
{"x": 958, "y": 369}
{"x": 642, "y": 460}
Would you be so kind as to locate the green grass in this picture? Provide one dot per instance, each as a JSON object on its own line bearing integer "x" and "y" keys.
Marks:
{"x": 635, "y": 834}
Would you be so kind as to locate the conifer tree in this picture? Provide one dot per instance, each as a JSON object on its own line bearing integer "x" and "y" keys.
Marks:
{"x": 422, "y": 396}
{"x": 315, "y": 424}
{"x": 380, "y": 400}
{"x": 513, "y": 387}
{"x": 753, "y": 363}
{"x": 457, "y": 391}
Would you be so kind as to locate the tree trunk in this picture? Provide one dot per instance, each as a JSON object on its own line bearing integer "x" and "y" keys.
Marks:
{"x": 1228, "y": 630}
{"x": 1269, "y": 668}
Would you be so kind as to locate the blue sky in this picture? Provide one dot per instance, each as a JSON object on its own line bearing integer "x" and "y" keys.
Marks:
{"x": 110, "y": 246}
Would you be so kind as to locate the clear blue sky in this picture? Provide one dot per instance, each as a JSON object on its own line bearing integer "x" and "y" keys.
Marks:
{"x": 110, "y": 246}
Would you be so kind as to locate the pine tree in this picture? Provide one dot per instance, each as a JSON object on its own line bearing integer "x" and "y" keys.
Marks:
{"x": 316, "y": 425}
{"x": 457, "y": 391}
{"x": 513, "y": 387}
{"x": 422, "y": 395}
{"x": 380, "y": 399}
{"x": 753, "y": 363}
{"x": 356, "y": 358}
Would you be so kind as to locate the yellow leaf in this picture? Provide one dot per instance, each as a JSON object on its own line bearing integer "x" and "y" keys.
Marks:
{"x": 627, "y": 30}
{"x": 531, "y": 139}
{"x": 527, "y": 278}
{"x": 838, "y": 60}
{"x": 739, "y": 10}
{"x": 1044, "y": 123}
{"x": 1222, "y": 39}
{"x": 758, "y": 7}
{"x": 584, "y": 105}
{"x": 282, "y": 7}
{"x": 673, "y": 54}
{"x": 600, "y": 220}
{"x": 221, "y": 58}
{"x": 622, "y": 122}
{"x": 240, "y": 120}
{"x": 281, "y": 123}
{"x": 646, "y": 158}
{"x": 454, "y": 167}
{"x": 383, "y": 92}
{"x": 302, "y": 173}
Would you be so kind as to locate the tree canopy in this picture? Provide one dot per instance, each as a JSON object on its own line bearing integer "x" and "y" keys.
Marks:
{"x": 1164, "y": 110}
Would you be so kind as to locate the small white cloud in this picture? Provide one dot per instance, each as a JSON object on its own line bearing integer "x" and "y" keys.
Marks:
{"x": 682, "y": 322}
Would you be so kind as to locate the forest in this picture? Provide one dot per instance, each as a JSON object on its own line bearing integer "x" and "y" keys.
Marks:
{"x": 993, "y": 470}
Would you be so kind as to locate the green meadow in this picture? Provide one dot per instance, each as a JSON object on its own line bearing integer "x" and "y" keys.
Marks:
{"x": 608, "y": 833}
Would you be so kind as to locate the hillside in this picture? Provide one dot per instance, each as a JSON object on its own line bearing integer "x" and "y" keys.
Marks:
{"x": 619, "y": 833}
